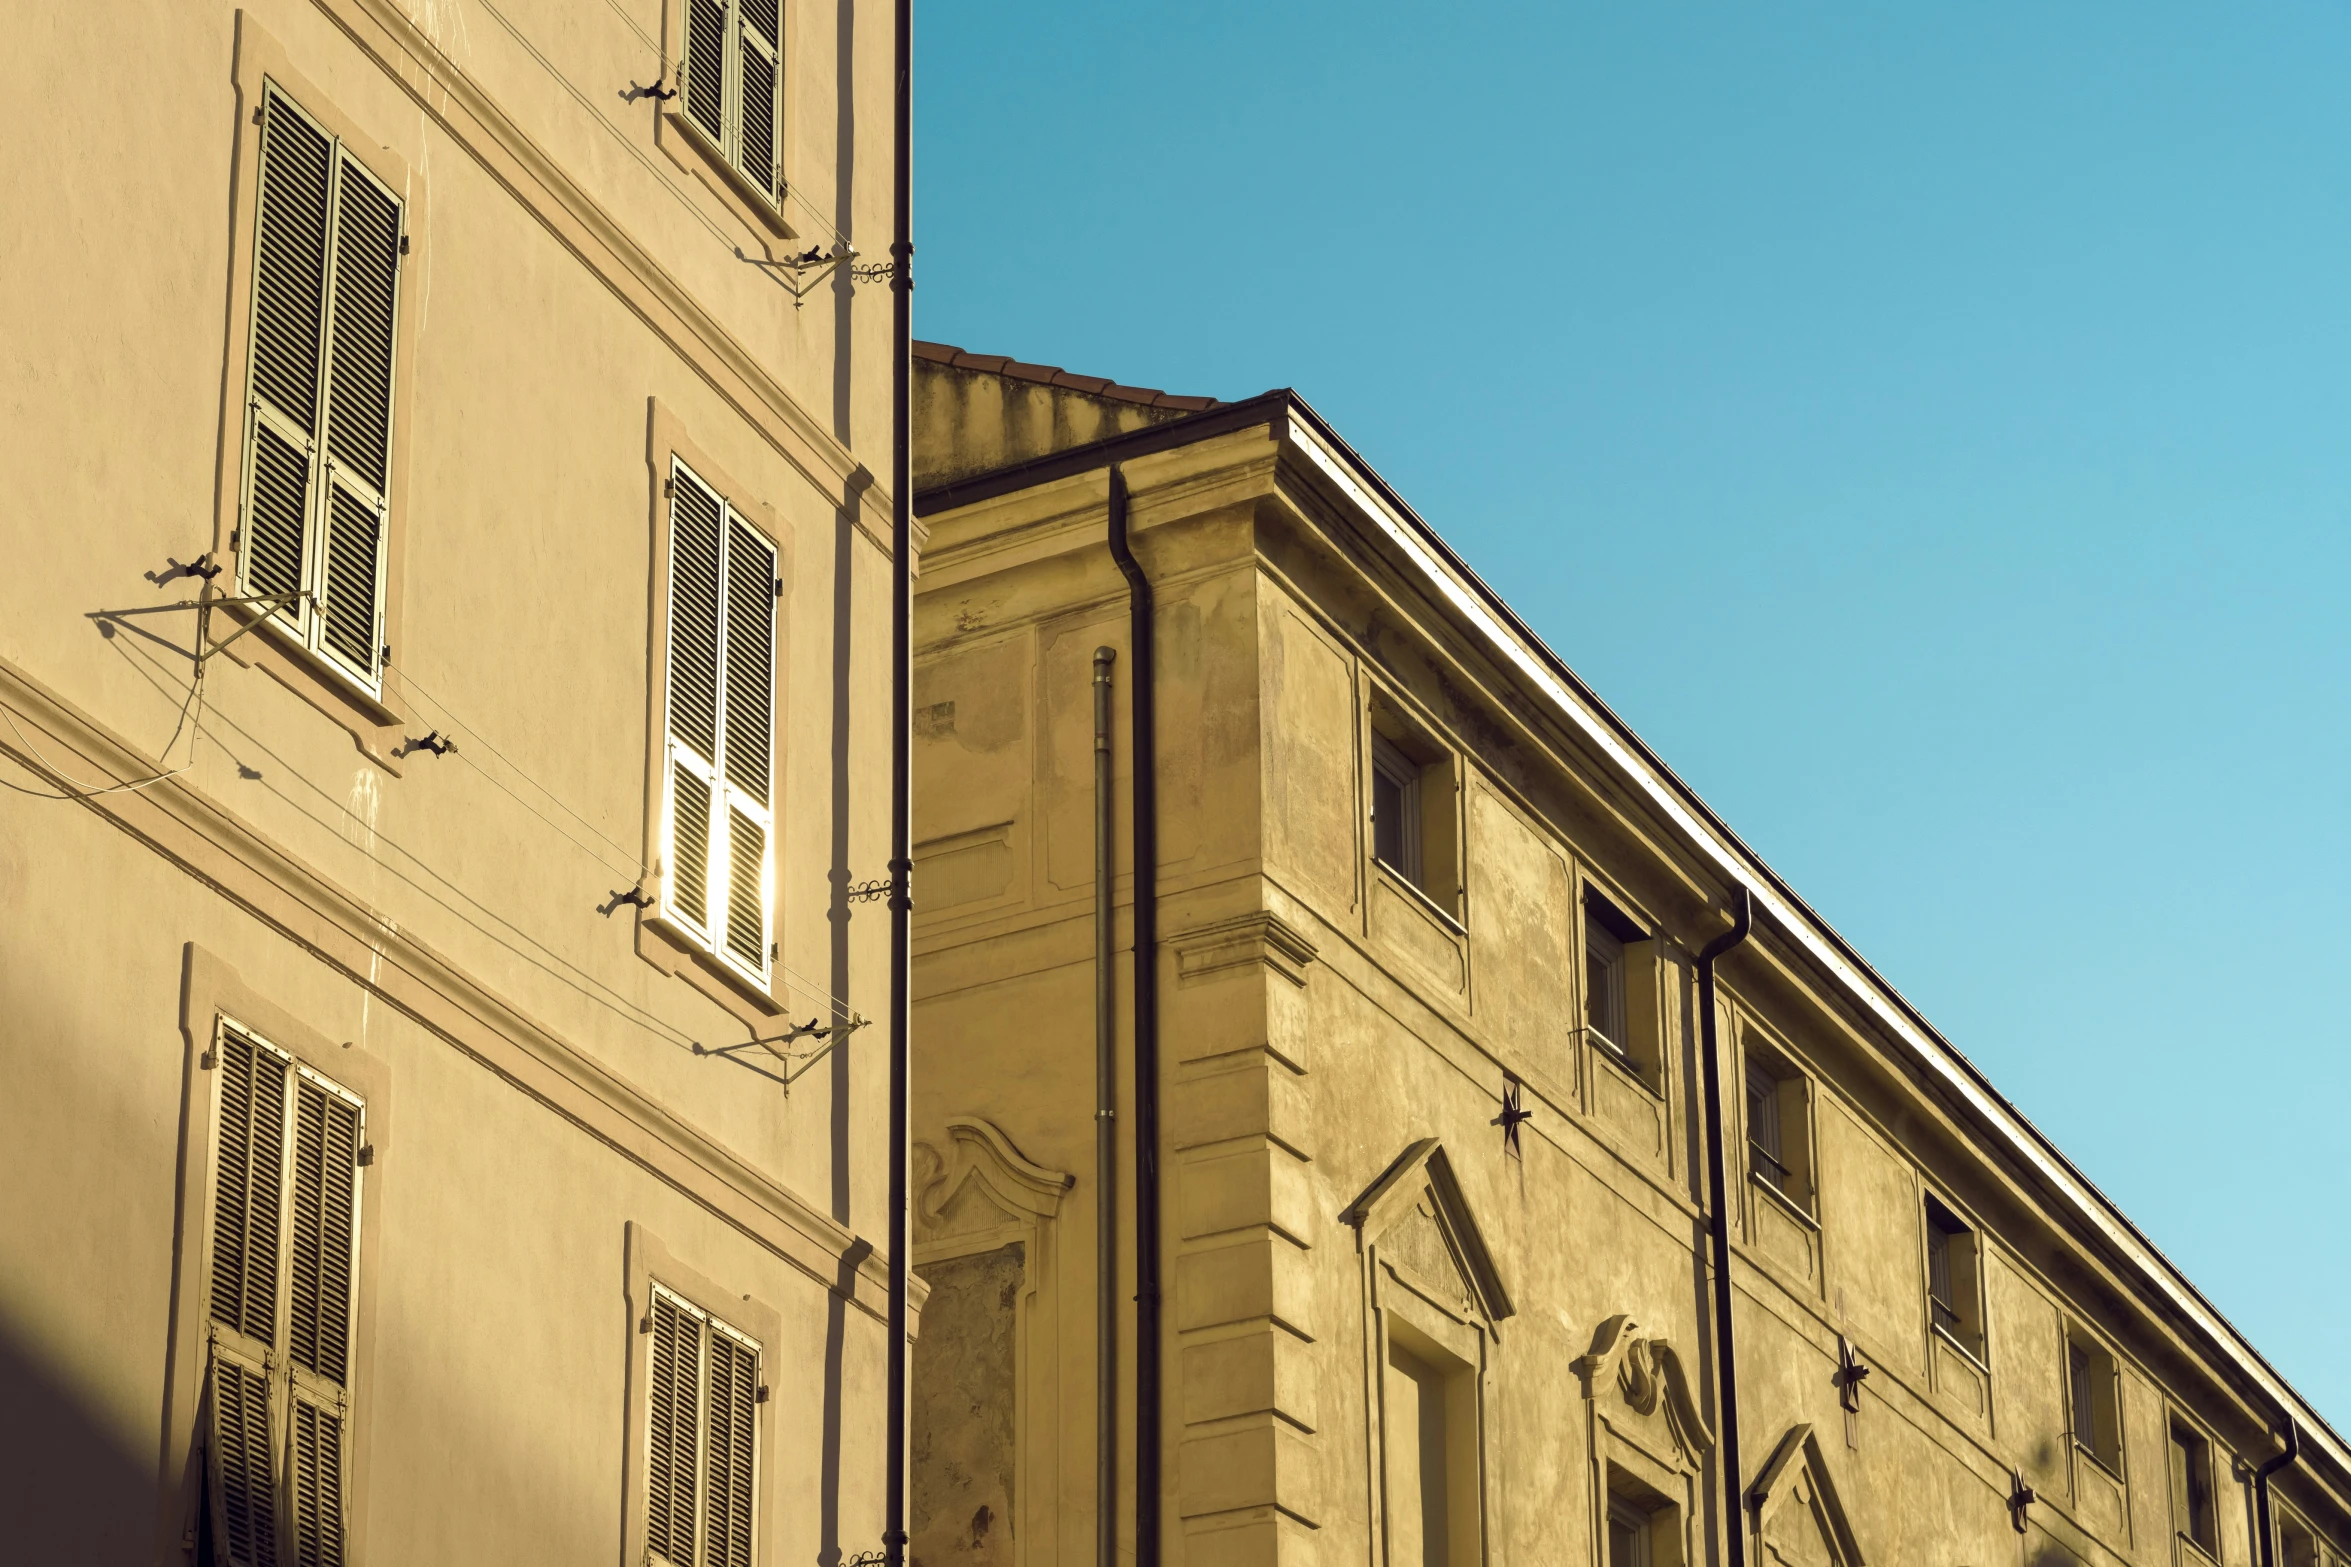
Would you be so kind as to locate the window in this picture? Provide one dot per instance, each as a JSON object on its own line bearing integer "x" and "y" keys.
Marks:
{"x": 2297, "y": 1546}
{"x": 2090, "y": 1389}
{"x": 314, "y": 519}
{"x": 1779, "y": 1153}
{"x": 2191, "y": 1486}
{"x": 1604, "y": 1010}
{"x": 1628, "y": 1536}
{"x": 281, "y": 1297}
{"x": 1414, "y": 830}
{"x": 701, "y": 1458}
{"x": 1619, "y": 975}
{"x": 1952, "y": 1300}
{"x": 717, "y": 834}
{"x": 1431, "y": 1452}
{"x": 731, "y": 83}
{"x": 1395, "y": 809}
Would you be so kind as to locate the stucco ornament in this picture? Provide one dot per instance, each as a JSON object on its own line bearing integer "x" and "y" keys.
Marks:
{"x": 1648, "y": 1374}
{"x": 1799, "y": 1519}
{"x": 980, "y": 1182}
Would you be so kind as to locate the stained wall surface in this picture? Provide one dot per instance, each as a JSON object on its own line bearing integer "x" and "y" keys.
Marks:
{"x": 1395, "y": 1330}
{"x": 584, "y": 292}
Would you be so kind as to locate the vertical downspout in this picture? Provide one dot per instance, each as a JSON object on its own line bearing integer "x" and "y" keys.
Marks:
{"x": 1146, "y": 861}
{"x": 1105, "y": 1134}
{"x": 1718, "y": 1225}
{"x": 2293, "y": 1452}
{"x": 901, "y": 762}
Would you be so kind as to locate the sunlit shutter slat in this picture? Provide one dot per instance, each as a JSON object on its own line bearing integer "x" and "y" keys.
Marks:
{"x": 705, "y": 65}
{"x": 759, "y": 26}
{"x": 248, "y": 1169}
{"x": 276, "y": 515}
{"x": 237, "y": 1458}
{"x": 366, "y": 282}
{"x": 695, "y": 518}
{"x": 325, "y": 1203}
{"x": 750, "y": 688}
{"x": 315, "y": 1484}
{"x": 670, "y": 1477}
{"x": 354, "y": 574}
{"x": 746, "y": 890}
{"x": 729, "y": 1473}
{"x": 689, "y": 882}
{"x": 289, "y": 263}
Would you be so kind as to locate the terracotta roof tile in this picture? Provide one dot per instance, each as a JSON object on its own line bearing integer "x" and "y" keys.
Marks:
{"x": 1054, "y": 375}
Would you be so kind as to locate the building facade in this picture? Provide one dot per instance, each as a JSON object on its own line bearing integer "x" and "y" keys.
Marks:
{"x": 444, "y": 637}
{"x": 1435, "y": 944}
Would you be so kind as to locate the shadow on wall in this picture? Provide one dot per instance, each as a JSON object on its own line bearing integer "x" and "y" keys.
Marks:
{"x": 70, "y": 1490}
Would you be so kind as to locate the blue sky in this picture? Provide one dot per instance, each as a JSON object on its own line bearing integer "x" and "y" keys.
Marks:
{"x": 1927, "y": 426}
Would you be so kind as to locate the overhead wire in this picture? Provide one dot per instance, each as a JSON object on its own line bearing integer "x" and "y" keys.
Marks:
{"x": 77, "y": 789}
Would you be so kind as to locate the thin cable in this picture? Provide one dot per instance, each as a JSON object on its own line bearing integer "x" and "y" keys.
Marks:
{"x": 809, "y": 989}
{"x": 80, "y": 790}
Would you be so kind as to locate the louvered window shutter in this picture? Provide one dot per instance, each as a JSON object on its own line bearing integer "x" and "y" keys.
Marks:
{"x": 719, "y": 865}
{"x": 282, "y": 1301}
{"x": 705, "y": 68}
{"x": 697, "y": 531}
{"x": 319, "y": 427}
{"x": 701, "y": 1469}
{"x": 760, "y": 71}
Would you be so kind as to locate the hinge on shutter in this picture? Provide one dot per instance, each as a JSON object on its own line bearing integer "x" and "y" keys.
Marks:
{"x": 779, "y": 587}
{"x": 210, "y": 1059}
{"x": 387, "y": 652}
{"x": 367, "y": 1156}
{"x": 404, "y": 244}
{"x": 646, "y": 1325}
{"x": 760, "y": 1397}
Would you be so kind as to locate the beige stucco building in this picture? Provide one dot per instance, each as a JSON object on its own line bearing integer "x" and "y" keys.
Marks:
{"x": 369, "y": 1194}
{"x": 1435, "y": 1153}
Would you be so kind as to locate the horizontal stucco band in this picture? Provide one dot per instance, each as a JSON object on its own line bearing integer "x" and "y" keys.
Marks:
{"x": 189, "y": 830}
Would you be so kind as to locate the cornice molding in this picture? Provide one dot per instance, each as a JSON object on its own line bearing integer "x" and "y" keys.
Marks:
{"x": 188, "y": 829}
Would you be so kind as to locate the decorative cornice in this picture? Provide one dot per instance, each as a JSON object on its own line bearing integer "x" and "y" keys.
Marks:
{"x": 1384, "y": 1201}
{"x": 1799, "y": 1455}
{"x": 1013, "y": 1182}
{"x": 1650, "y": 1371}
{"x": 1259, "y": 936}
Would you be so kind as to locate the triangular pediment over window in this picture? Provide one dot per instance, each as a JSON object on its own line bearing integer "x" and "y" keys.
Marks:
{"x": 1799, "y": 1520}
{"x": 1417, "y": 1217}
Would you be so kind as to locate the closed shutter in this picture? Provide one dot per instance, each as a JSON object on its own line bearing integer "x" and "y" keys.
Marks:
{"x": 238, "y": 1473}
{"x": 760, "y": 51}
{"x": 702, "y": 1462}
{"x": 719, "y": 850}
{"x": 671, "y": 1473}
{"x": 704, "y": 68}
{"x": 731, "y": 1483}
{"x": 283, "y": 1288}
{"x": 326, "y": 269}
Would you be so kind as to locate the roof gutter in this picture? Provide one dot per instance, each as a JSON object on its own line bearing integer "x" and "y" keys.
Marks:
{"x": 1731, "y": 860}
{"x": 1460, "y": 588}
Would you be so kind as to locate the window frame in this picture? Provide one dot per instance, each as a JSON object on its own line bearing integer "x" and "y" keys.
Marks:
{"x": 1637, "y": 1008}
{"x": 377, "y": 718}
{"x": 2181, "y": 1477}
{"x": 2084, "y": 1354}
{"x": 652, "y": 1266}
{"x": 1790, "y": 1096}
{"x": 1966, "y": 1332}
{"x": 213, "y": 993}
{"x": 694, "y": 150}
{"x": 1396, "y": 743}
{"x": 676, "y": 949}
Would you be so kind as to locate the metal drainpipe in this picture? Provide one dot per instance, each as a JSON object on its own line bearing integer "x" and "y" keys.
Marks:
{"x": 1718, "y": 1225}
{"x": 2292, "y": 1454}
{"x": 1105, "y": 1133}
{"x": 1146, "y": 865}
{"x": 894, "y": 1538}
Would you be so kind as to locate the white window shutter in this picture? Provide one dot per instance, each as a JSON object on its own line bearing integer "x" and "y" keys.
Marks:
{"x": 749, "y": 744}
{"x": 362, "y": 324}
{"x": 326, "y": 273}
{"x": 288, "y": 330}
{"x": 704, "y": 67}
{"x": 315, "y": 1483}
{"x": 238, "y": 1467}
{"x": 248, "y": 1173}
{"x": 671, "y": 1473}
{"x": 730, "y": 1461}
{"x": 324, "y": 1226}
{"x": 760, "y": 51}
{"x": 697, "y": 523}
